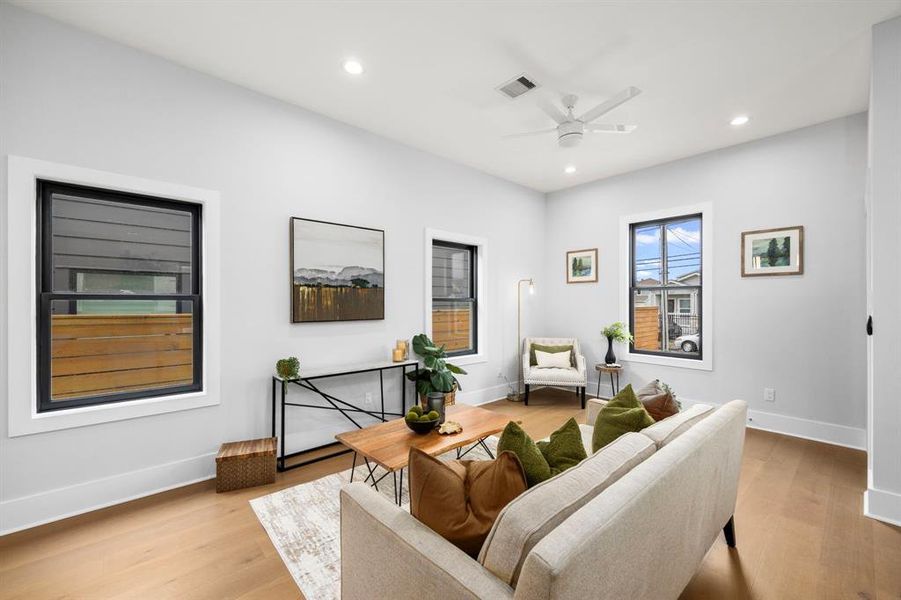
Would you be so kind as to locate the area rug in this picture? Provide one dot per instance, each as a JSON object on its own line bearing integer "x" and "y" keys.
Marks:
{"x": 303, "y": 523}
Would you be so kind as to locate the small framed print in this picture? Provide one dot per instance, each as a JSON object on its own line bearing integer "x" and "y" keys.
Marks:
{"x": 772, "y": 252}
{"x": 582, "y": 266}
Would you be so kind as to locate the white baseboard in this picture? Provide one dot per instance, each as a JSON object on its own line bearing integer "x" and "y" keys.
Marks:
{"x": 809, "y": 429}
{"x": 484, "y": 395}
{"x": 882, "y": 506}
{"x": 60, "y": 503}
{"x": 818, "y": 431}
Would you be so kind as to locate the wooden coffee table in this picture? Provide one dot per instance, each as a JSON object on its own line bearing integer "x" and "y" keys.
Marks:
{"x": 388, "y": 444}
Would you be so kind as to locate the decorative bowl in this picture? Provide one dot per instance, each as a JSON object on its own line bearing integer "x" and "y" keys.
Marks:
{"x": 422, "y": 427}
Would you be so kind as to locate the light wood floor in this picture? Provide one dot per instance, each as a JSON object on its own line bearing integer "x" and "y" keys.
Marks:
{"x": 799, "y": 529}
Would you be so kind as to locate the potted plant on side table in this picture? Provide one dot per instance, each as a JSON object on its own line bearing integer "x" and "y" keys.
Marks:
{"x": 615, "y": 332}
{"x": 436, "y": 381}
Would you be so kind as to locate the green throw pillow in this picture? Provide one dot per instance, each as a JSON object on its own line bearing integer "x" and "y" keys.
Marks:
{"x": 564, "y": 449}
{"x": 533, "y": 360}
{"x": 624, "y": 413}
{"x": 545, "y": 459}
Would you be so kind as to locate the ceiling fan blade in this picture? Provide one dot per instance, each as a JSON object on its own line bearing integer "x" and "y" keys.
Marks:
{"x": 605, "y": 107}
{"x": 529, "y": 133}
{"x": 551, "y": 110}
{"x": 599, "y": 128}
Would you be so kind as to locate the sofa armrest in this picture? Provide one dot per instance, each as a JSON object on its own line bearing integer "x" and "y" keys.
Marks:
{"x": 580, "y": 364}
{"x": 386, "y": 553}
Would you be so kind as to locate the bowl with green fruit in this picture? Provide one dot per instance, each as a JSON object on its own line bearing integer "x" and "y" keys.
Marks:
{"x": 421, "y": 422}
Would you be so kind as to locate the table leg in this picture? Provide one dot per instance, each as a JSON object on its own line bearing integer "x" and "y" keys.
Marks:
{"x": 281, "y": 461}
{"x": 598, "y": 395}
{"x": 400, "y": 493}
{"x": 403, "y": 390}
{"x": 353, "y": 468}
{"x": 382, "y": 393}
{"x": 613, "y": 388}
{"x": 273, "y": 407}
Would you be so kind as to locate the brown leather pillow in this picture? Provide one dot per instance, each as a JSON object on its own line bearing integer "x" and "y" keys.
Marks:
{"x": 659, "y": 403}
{"x": 460, "y": 499}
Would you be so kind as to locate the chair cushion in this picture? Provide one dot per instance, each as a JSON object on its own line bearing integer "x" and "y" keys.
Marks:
{"x": 665, "y": 431}
{"x": 659, "y": 403}
{"x": 460, "y": 499}
{"x": 553, "y": 360}
{"x": 571, "y": 376}
{"x": 533, "y": 359}
{"x": 538, "y": 511}
{"x": 624, "y": 413}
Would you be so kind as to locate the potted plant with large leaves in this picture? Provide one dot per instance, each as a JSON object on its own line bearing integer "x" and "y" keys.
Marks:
{"x": 436, "y": 379}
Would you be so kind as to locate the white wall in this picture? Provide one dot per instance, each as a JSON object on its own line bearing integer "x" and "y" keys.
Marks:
{"x": 883, "y": 497}
{"x": 802, "y": 335}
{"x": 74, "y": 98}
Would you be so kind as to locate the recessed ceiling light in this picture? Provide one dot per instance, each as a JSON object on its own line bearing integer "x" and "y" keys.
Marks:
{"x": 739, "y": 120}
{"x": 569, "y": 169}
{"x": 353, "y": 66}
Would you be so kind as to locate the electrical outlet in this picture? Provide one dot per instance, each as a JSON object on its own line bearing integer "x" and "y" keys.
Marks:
{"x": 769, "y": 395}
{"x": 367, "y": 399}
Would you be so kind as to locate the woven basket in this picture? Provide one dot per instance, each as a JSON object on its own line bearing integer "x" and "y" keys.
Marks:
{"x": 450, "y": 398}
{"x": 242, "y": 470}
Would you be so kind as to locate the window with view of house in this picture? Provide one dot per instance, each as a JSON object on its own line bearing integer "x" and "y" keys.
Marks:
{"x": 119, "y": 296}
{"x": 665, "y": 287}
{"x": 454, "y": 297}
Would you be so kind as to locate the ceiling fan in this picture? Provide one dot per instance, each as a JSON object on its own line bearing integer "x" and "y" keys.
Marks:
{"x": 570, "y": 128}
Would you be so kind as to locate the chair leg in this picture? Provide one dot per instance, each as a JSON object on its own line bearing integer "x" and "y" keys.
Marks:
{"x": 729, "y": 532}
{"x": 582, "y": 396}
{"x": 526, "y": 399}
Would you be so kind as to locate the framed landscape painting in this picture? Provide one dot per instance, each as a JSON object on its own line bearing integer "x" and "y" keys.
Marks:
{"x": 337, "y": 272}
{"x": 582, "y": 266}
{"x": 772, "y": 252}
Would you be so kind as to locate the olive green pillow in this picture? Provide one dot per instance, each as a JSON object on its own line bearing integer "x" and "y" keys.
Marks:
{"x": 564, "y": 449}
{"x": 545, "y": 459}
{"x": 533, "y": 360}
{"x": 624, "y": 413}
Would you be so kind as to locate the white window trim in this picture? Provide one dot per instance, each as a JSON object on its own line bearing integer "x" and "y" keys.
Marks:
{"x": 706, "y": 211}
{"x": 21, "y": 314}
{"x": 481, "y": 266}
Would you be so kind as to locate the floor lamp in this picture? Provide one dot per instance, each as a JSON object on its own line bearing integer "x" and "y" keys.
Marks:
{"x": 517, "y": 355}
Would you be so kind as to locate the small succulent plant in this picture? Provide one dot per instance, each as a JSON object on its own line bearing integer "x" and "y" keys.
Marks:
{"x": 288, "y": 368}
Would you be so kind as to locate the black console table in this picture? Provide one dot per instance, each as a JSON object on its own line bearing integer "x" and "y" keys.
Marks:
{"x": 306, "y": 381}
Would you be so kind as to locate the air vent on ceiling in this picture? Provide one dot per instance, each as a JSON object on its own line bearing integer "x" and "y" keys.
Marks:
{"x": 517, "y": 87}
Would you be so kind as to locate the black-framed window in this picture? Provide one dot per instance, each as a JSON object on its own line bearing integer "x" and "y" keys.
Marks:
{"x": 119, "y": 296}
{"x": 665, "y": 311}
{"x": 455, "y": 297}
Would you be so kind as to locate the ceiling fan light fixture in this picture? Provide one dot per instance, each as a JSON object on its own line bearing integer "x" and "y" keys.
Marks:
{"x": 352, "y": 66}
{"x": 739, "y": 120}
{"x": 569, "y": 169}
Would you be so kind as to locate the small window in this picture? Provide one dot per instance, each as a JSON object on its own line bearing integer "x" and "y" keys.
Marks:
{"x": 665, "y": 287}
{"x": 454, "y": 297}
{"x": 119, "y": 296}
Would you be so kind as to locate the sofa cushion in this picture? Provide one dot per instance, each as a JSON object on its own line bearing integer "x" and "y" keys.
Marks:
{"x": 514, "y": 439}
{"x": 665, "y": 431}
{"x": 535, "y": 513}
{"x": 564, "y": 448}
{"x": 460, "y": 499}
{"x": 553, "y": 360}
{"x": 624, "y": 413}
{"x": 659, "y": 402}
{"x": 561, "y": 376}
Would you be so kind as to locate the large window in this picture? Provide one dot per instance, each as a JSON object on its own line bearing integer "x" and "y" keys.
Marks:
{"x": 666, "y": 287}
{"x": 119, "y": 296}
{"x": 454, "y": 297}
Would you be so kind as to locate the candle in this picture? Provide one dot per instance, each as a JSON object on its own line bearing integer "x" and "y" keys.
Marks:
{"x": 402, "y": 346}
{"x": 398, "y": 355}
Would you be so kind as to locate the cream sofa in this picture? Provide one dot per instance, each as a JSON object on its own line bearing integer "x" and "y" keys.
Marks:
{"x": 633, "y": 520}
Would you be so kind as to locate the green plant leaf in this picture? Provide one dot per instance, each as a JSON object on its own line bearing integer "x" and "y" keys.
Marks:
{"x": 454, "y": 369}
{"x": 442, "y": 381}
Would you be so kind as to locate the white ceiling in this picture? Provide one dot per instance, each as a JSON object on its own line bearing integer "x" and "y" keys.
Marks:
{"x": 432, "y": 68}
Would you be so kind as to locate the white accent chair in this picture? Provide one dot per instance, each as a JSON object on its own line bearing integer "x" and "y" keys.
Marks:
{"x": 576, "y": 377}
